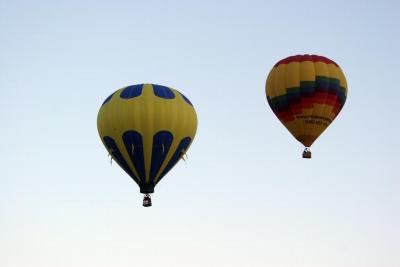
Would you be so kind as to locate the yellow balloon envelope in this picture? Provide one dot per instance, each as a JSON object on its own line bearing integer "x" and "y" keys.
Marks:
{"x": 306, "y": 93}
{"x": 147, "y": 129}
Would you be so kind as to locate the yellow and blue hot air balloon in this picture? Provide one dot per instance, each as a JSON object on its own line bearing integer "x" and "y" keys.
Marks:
{"x": 306, "y": 93}
{"x": 147, "y": 129}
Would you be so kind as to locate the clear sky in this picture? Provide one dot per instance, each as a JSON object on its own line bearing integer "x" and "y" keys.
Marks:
{"x": 245, "y": 198}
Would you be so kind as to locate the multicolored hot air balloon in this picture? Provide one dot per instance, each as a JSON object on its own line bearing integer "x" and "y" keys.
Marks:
{"x": 306, "y": 93}
{"x": 147, "y": 129}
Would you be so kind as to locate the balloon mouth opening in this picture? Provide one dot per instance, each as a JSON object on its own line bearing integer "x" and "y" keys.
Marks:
{"x": 147, "y": 189}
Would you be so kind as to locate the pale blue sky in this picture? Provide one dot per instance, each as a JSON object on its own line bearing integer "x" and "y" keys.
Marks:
{"x": 245, "y": 198}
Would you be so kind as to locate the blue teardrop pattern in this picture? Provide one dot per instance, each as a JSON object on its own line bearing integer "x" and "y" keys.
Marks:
{"x": 183, "y": 146}
{"x": 161, "y": 144}
{"x": 117, "y": 156}
{"x": 133, "y": 142}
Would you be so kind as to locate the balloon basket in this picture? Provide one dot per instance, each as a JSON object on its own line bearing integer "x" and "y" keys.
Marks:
{"x": 306, "y": 153}
{"x": 147, "y": 200}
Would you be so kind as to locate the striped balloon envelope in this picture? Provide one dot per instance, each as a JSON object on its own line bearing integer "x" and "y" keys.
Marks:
{"x": 147, "y": 129}
{"x": 306, "y": 93}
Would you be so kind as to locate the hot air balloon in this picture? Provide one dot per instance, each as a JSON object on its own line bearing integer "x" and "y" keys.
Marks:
{"x": 147, "y": 129}
{"x": 306, "y": 93}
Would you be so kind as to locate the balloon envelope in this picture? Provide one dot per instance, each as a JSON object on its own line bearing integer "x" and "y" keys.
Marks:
{"x": 147, "y": 129}
{"x": 306, "y": 93}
